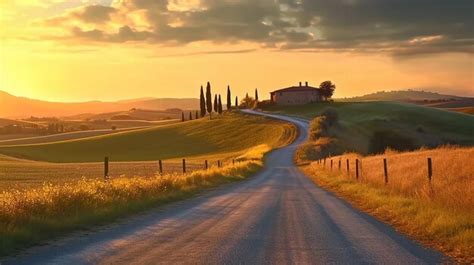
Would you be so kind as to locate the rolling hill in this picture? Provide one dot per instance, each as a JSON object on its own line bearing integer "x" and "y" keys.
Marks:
{"x": 20, "y": 107}
{"x": 404, "y": 95}
{"x": 358, "y": 121}
{"x": 227, "y": 133}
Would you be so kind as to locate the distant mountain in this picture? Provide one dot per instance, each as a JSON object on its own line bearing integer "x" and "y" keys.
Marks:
{"x": 405, "y": 95}
{"x": 21, "y": 107}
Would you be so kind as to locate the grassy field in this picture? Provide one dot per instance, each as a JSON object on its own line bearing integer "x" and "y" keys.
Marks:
{"x": 136, "y": 153}
{"x": 30, "y": 216}
{"x": 228, "y": 133}
{"x": 76, "y": 135}
{"x": 359, "y": 120}
{"x": 440, "y": 214}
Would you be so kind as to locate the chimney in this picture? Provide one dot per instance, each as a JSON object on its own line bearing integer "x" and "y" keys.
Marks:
{"x": 306, "y": 83}
{"x": 300, "y": 83}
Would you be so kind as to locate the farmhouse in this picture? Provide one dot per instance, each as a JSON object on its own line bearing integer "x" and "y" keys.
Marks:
{"x": 296, "y": 95}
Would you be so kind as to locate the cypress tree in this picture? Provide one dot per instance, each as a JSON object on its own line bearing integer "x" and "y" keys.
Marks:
{"x": 215, "y": 103}
{"x": 256, "y": 95}
{"x": 190, "y": 116}
{"x": 229, "y": 100}
{"x": 182, "y": 116}
{"x": 219, "y": 107}
{"x": 202, "y": 103}
{"x": 236, "y": 101}
{"x": 209, "y": 100}
{"x": 196, "y": 116}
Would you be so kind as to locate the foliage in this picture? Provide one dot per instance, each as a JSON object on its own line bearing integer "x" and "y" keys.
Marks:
{"x": 209, "y": 98}
{"x": 256, "y": 95}
{"x": 327, "y": 89}
{"x": 248, "y": 103}
{"x": 229, "y": 98}
{"x": 383, "y": 139}
{"x": 219, "y": 105}
{"x": 202, "y": 101}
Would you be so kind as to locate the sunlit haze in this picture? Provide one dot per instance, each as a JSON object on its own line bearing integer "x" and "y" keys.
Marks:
{"x": 107, "y": 50}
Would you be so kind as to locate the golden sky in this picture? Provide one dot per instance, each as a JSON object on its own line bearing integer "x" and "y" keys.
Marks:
{"x": 106, "y": 50}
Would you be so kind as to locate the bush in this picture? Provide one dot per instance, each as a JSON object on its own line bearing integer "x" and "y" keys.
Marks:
{"x": 384, "y": 139}
{"x": 331, "y": 116}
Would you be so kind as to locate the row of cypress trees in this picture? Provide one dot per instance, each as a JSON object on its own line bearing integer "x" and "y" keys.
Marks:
{"x": 206, "y": 101}
{"x": 207, "y": 106}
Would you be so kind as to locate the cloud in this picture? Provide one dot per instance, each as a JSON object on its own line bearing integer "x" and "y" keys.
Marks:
{"x": 401, "y": 27}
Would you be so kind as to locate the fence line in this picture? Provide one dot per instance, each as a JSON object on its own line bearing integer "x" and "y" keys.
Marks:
{"x": 358, "y": 167}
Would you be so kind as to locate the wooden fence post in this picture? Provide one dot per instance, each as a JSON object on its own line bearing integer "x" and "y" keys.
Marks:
{"x": 160, "y": 164}
{"x": 385, "y": 171}
{"x": 430, "y": 169}
{"x": 331, "y": 164}
{"x": 233, "y": 161}
{"x": 106, "y": 168}
{"x": 347, "y": 165}
{"x": 184, "y": 165}
{"x": 218, "y": 163}
{"x": 206, "y": 165}
{"x": 324, "y": 162}
{"x": 357, "y": 168}
{"x": 339, "y": 164}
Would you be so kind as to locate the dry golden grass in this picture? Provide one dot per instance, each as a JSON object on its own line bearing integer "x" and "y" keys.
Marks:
{"x": 31, "y": 215}
{"x": 440, "y": 214}
{"x": 452, "y": 183}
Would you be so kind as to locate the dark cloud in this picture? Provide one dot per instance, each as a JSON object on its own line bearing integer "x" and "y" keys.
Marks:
{"x": 400, "y": 27}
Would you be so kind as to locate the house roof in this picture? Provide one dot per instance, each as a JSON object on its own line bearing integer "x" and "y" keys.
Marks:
{"x": 295, "y": 89}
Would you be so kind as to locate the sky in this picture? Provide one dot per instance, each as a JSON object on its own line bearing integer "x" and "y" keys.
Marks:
{"x": 80, "y": 50}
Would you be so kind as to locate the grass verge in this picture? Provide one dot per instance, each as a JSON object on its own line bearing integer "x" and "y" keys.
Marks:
{"x": 31, "y": 216}
{"x": 448, "y": 229}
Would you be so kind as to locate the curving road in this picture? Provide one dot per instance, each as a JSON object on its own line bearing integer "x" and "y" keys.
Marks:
{"x": 277, "y": 217}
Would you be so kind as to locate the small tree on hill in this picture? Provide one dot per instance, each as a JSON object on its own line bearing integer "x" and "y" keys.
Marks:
{"x": 229, "y": 99}
{"x": 256, "y": 94}
{"x": 327, "y": 89}
{"x": 219, "y": 105}
{"x": 209, "y": 99}
{"x": 215, "y": 103}
{"x": 248, "y": 102}
{"x": 236, "y": 101}
{"x": 202, "y": 103}
{"x": 182, "y": 116}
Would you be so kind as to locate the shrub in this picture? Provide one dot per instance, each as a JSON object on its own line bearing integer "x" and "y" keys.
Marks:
{"x": 331, "y": 116}
{"x": 383, "y": 139}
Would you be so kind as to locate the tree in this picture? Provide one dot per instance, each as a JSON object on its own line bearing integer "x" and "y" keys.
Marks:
{"x": 215, "y": 103}
{"x": 229, "y": 99}
{"x": 197, "y": 115}
{"x": 182, "y": 116}
{"x": 248, "y": 102}
{"x": 236, "y": 101}
{"x": 203, "y": 103}
{"x": 256, "y": 95}
{"x": 209, "y": 100}
{"x": 327, "y": 89}
{"x": 190, "y": 116}
{"x": 219, "y": 105}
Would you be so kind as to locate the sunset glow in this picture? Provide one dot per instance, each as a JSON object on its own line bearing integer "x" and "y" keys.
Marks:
{"x": 107, "y": 50}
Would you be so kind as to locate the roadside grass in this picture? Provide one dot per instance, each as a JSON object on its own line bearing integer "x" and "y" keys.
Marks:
{"x": 358, "y": 121}
{"x": 440, "y": 214}
{"x": 28, "y": 217}
{"x": 227, "y": 133}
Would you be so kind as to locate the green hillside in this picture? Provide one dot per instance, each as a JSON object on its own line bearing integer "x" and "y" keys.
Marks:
{"x": 359, "y": 120}
{"x": 228, "y": 133}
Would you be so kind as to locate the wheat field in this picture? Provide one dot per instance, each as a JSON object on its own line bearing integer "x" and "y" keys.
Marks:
{"x": 452, "y": 181}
